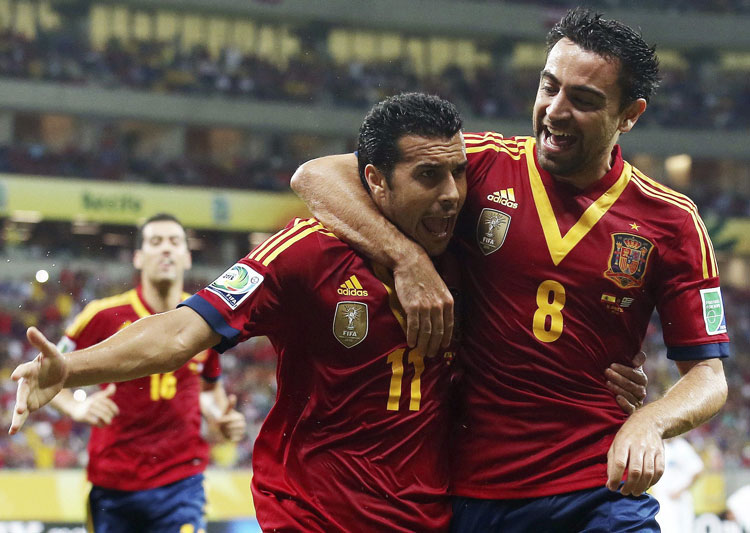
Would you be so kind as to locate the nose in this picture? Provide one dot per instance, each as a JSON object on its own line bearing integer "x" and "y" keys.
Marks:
{"x": 558, "y": 108}
{"x": 449, "y": 193}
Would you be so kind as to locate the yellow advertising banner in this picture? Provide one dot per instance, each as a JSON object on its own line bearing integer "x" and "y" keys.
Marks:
{"x": 38, "y": 198}
{"x": 732, "y": 234}
{"x": 60, "y": 495}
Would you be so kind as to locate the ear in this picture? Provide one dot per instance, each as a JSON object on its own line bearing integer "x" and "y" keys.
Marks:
{"x": 137, "y": 259}
{"x": 188, "y": 259}
{"x": 376, "y": 180}
{"x": 631, "y": 115}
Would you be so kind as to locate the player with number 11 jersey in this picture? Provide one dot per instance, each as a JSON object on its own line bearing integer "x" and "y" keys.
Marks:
{"x": 355, "y": 438}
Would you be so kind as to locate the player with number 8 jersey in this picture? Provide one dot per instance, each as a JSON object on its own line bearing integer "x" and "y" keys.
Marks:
{"x": 570, "y": 279}
{"x": 356, "y": 437}
{"x": 156, "y": 437}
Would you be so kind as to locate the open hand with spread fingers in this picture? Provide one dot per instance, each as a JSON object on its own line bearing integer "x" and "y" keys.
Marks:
{"x": 38, "y": 380}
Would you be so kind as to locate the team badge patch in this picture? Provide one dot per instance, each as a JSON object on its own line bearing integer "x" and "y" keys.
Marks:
{"x": 713, "y": 311}
{"x": 491, "y": 230}
{"x": 350, "y": 323}
{"x": 66, "y": 345}
{"x": 236, "y": 284}
{"x": 628, "y": 260}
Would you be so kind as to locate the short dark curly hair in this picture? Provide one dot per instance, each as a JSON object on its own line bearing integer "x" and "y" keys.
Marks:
{"x": 396, "y": 116}
{"x": 639, "y": 66}
{"x": 159, "y": 217}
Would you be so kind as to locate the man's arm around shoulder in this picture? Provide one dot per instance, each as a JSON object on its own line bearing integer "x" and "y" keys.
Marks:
{"x": 331, "y": 188}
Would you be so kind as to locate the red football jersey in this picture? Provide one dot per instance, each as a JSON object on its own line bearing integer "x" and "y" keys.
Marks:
{"x": 356, "y": 438}
{"x": 560, "y": 283}
{"x": 155, "y": 440}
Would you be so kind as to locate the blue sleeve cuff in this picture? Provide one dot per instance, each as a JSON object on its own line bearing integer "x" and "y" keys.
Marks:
{"x": 701, "y": 351}
{"x": 214, "y": 319}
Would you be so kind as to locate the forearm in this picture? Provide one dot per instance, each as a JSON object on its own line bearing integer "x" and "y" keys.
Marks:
{"x": 155, "y": 344}
{"x": 64, "y": 402}
{"x": 694, "y": 399}
{"x": 331, "y": 188}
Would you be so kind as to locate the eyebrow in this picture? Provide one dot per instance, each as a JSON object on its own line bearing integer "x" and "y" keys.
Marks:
{"x": 585, "y": 88}
{"x": 426, "y": 165}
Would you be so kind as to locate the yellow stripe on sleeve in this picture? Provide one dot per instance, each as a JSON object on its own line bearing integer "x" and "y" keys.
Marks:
{"x": 707, "y": 254}
{"x": 273, "y": 239}
{"x": 515, "y": 148}
{"x": 286, "y": 244}
{"x": 667, "y": 192}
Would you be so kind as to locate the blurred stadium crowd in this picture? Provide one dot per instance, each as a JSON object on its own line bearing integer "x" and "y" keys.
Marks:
{"x": 711, "y": 6}
{"x": 698, "y": 96}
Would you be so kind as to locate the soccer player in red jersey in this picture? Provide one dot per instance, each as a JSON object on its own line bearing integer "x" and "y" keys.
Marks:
{"x": 567, "y": 249}
{"x": 357, "y": 438}
{"x": 146, "y": 453}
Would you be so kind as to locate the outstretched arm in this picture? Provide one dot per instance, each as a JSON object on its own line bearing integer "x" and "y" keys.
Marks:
{"x": 155, "y": 344}
{"x": 331, "y": 189}
{"x": 638, "y": 446}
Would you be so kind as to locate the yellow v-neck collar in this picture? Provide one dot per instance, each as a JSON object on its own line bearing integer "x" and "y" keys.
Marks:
{"x": 559, "y": 246}
{"x": 138, "y": 306}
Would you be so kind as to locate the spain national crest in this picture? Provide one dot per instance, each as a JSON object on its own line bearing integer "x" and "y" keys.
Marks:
{"x": 628, "y": 260}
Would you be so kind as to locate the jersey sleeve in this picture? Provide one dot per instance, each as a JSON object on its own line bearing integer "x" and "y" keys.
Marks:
{"x": 256, "y": 295}
{"x": 242, "y": 303}
{"x": 689, "y": 299}
{"x": 212, "y": 366}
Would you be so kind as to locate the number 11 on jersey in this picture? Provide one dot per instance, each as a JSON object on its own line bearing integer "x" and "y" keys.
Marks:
{"x": 396, "y": 360}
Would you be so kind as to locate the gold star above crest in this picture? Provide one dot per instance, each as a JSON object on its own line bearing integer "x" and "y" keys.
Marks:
{"x": 634, "y": 226}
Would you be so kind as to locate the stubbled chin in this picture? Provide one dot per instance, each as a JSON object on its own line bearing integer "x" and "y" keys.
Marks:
{"x": 436, "y": 248}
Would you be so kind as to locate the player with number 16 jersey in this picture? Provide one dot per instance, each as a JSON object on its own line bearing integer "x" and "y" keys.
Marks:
{"x": 156, "y": 438}
{"x": 355, "y": 439}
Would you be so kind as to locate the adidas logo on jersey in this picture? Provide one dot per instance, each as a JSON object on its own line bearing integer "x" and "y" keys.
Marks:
{"x": 504, "y": 197}
{"x": 352, "y": 287}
